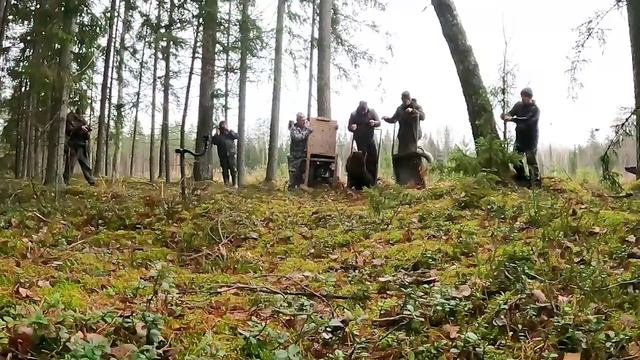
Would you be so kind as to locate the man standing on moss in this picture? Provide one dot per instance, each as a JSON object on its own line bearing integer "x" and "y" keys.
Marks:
{"x": 525, "y": 114}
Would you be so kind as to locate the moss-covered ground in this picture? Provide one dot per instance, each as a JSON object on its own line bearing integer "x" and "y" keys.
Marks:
{"x": 461, "y": 270}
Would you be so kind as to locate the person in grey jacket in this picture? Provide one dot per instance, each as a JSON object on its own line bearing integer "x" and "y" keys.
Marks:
{"x": 299, "y": 133}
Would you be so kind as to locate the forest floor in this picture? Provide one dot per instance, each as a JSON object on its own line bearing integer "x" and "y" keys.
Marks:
{"x": 463, "y": 269}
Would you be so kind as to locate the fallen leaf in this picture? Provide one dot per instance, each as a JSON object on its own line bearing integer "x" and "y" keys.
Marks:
{"x": 634, "y": 350}
{"x": 25, "y": 293}
{"x": 563, "y": 299}
{"x": 385, "y": 278}
{"x": 96, "y": 338}
{"x": 336, "y": 324}
{"x": 571, "y": 356}
{"x": 141, "y": 330}
{"x": 630, "y": 239}
{"x": 627, "y": 320}
{"x": 461, "y": 291}
{"x": 634, "y": 253}
{"x": 378, "y": 262}
{"x": 597, "y": 231}
{"x": 44, "y": 283}
{"x": 539, "y": 296}
{"x": 452, "y": 330}
{"x": 123, "y": 351}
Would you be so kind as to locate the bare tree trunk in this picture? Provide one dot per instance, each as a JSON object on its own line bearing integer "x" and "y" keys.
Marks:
{"x": 242, "y": 96}
{"x": 156, "y": 50}
{"x": 102, "y": 136}
{"x": 4, "y": 21}
{"x": 272, "y": 162}
{"x": 167, "y": 86}
{"x": 183, "y": 124}
{"x": 312, "y": 45}
{"x": 52, "y": 134}
{"x": 119, "y": 122}
{"x": 202, "y": 166}
{"x": 478, "y": 104}
{"x": 227, "y": 64}
{"x": 134, "y": 135}
{"x": 633, "y": 11}
{"x": 91, "y": 120}
{"x": 64, "y": 75}
{"x": 324, "y": 58}
{"x": 110, "y": 105}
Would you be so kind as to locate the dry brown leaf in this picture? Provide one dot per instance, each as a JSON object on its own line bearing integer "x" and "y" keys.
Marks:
{"x": 452, "y": 330}
{"x": 631, "y": 239}
{"x": 571, "y": 356}
{"x": 95, "y": 338}
{"x": 563, "y": 299}
{"x": 627, "y": 320}
{"x": 634, "y": 350}
{"x": 539, "y": 296}
{"x": 141, "y": 330}
{"x": 123, "y": 351}
{"x": 44, "y": 284}
{"x": 378, "y": 262}
{"x": 461, "y": 291}
{"x": 25, "y": 293}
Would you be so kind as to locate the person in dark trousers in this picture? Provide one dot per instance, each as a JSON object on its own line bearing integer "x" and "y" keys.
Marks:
{"x": 362, "y": 123}
{"x": 408, "y": 115}
{"x": 525, "y": 114}
{"x": 77, "y": 133}
{"x": 224, "y": 140}
{"x": 297, "y": 160}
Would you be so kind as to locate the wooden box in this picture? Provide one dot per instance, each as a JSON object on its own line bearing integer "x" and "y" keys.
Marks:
{"x": 322, "y": 140}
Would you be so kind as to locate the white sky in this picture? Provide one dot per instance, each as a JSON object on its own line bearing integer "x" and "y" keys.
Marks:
{"x": 541, "y": 35}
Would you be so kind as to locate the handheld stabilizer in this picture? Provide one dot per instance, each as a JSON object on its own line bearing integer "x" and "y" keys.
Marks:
{"x": 206, "y": 139}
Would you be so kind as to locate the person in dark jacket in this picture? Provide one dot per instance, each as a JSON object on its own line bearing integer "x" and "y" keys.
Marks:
{"x": 408, "y": 115}
{"x": 224, "y": 140}
{"x": 77, "y": 135}
{"x": 362, "y": 123}
{"x": 525, "y": 114}
{"x": 297, "y": 160}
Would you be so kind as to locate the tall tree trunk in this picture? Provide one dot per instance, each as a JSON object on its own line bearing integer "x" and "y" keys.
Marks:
{"x": 4, "y": 21}
{"x": 62, "y": 85}
{"x": 478, "y": 104}
{"x": 183, "y": 123}
{"x": 119, "y": 122}
{"x": 167, "y": 87}
{"x": 91, "y": 121}
{"x": 154, "y": 87}
{"x": 104, "y": 89}
{"x": 242, "y": 97}
{"x": 272, "y": 162}
{"x": 633, "y": 11}
{"x": 52, "y": 134}
{"x": 227, "y": 62}
{"x": 202, "y": 165}
{"x": 134, "y": 134}
{"x": 324, "y": 58}
{"x": 110, "y": 101}
{"x": 311, "y": 51}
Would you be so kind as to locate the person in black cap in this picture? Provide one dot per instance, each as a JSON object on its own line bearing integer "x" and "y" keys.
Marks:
{"x": 362, "y": 123}
{"x": 409, "y": 115}
{"x": 525, "y": 114}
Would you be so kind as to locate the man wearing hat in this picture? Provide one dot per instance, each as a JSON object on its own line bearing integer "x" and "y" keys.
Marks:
{"x": 525, "y": 114}
{"x": 408, "y": 115}
{"x": 362, "y": 122}
{"x": 299, "y": 133}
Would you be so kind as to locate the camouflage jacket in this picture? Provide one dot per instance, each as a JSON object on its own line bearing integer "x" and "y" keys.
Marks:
{"x": 299, "y": 137}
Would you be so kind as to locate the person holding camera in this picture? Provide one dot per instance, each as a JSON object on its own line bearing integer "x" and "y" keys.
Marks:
{"x": 362, "y": 123}
{"x": 77, "y": 133}
{"x": 224, "y": 140}
{"x": 299, "y": 133}
{"x": 408, "y": 115}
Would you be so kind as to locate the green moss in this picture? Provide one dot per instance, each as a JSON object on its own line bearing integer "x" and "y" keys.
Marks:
{"x": 66, "y": 295}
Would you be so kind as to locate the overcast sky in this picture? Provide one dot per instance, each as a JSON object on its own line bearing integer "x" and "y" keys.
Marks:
{"x": 541, "y": 35}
